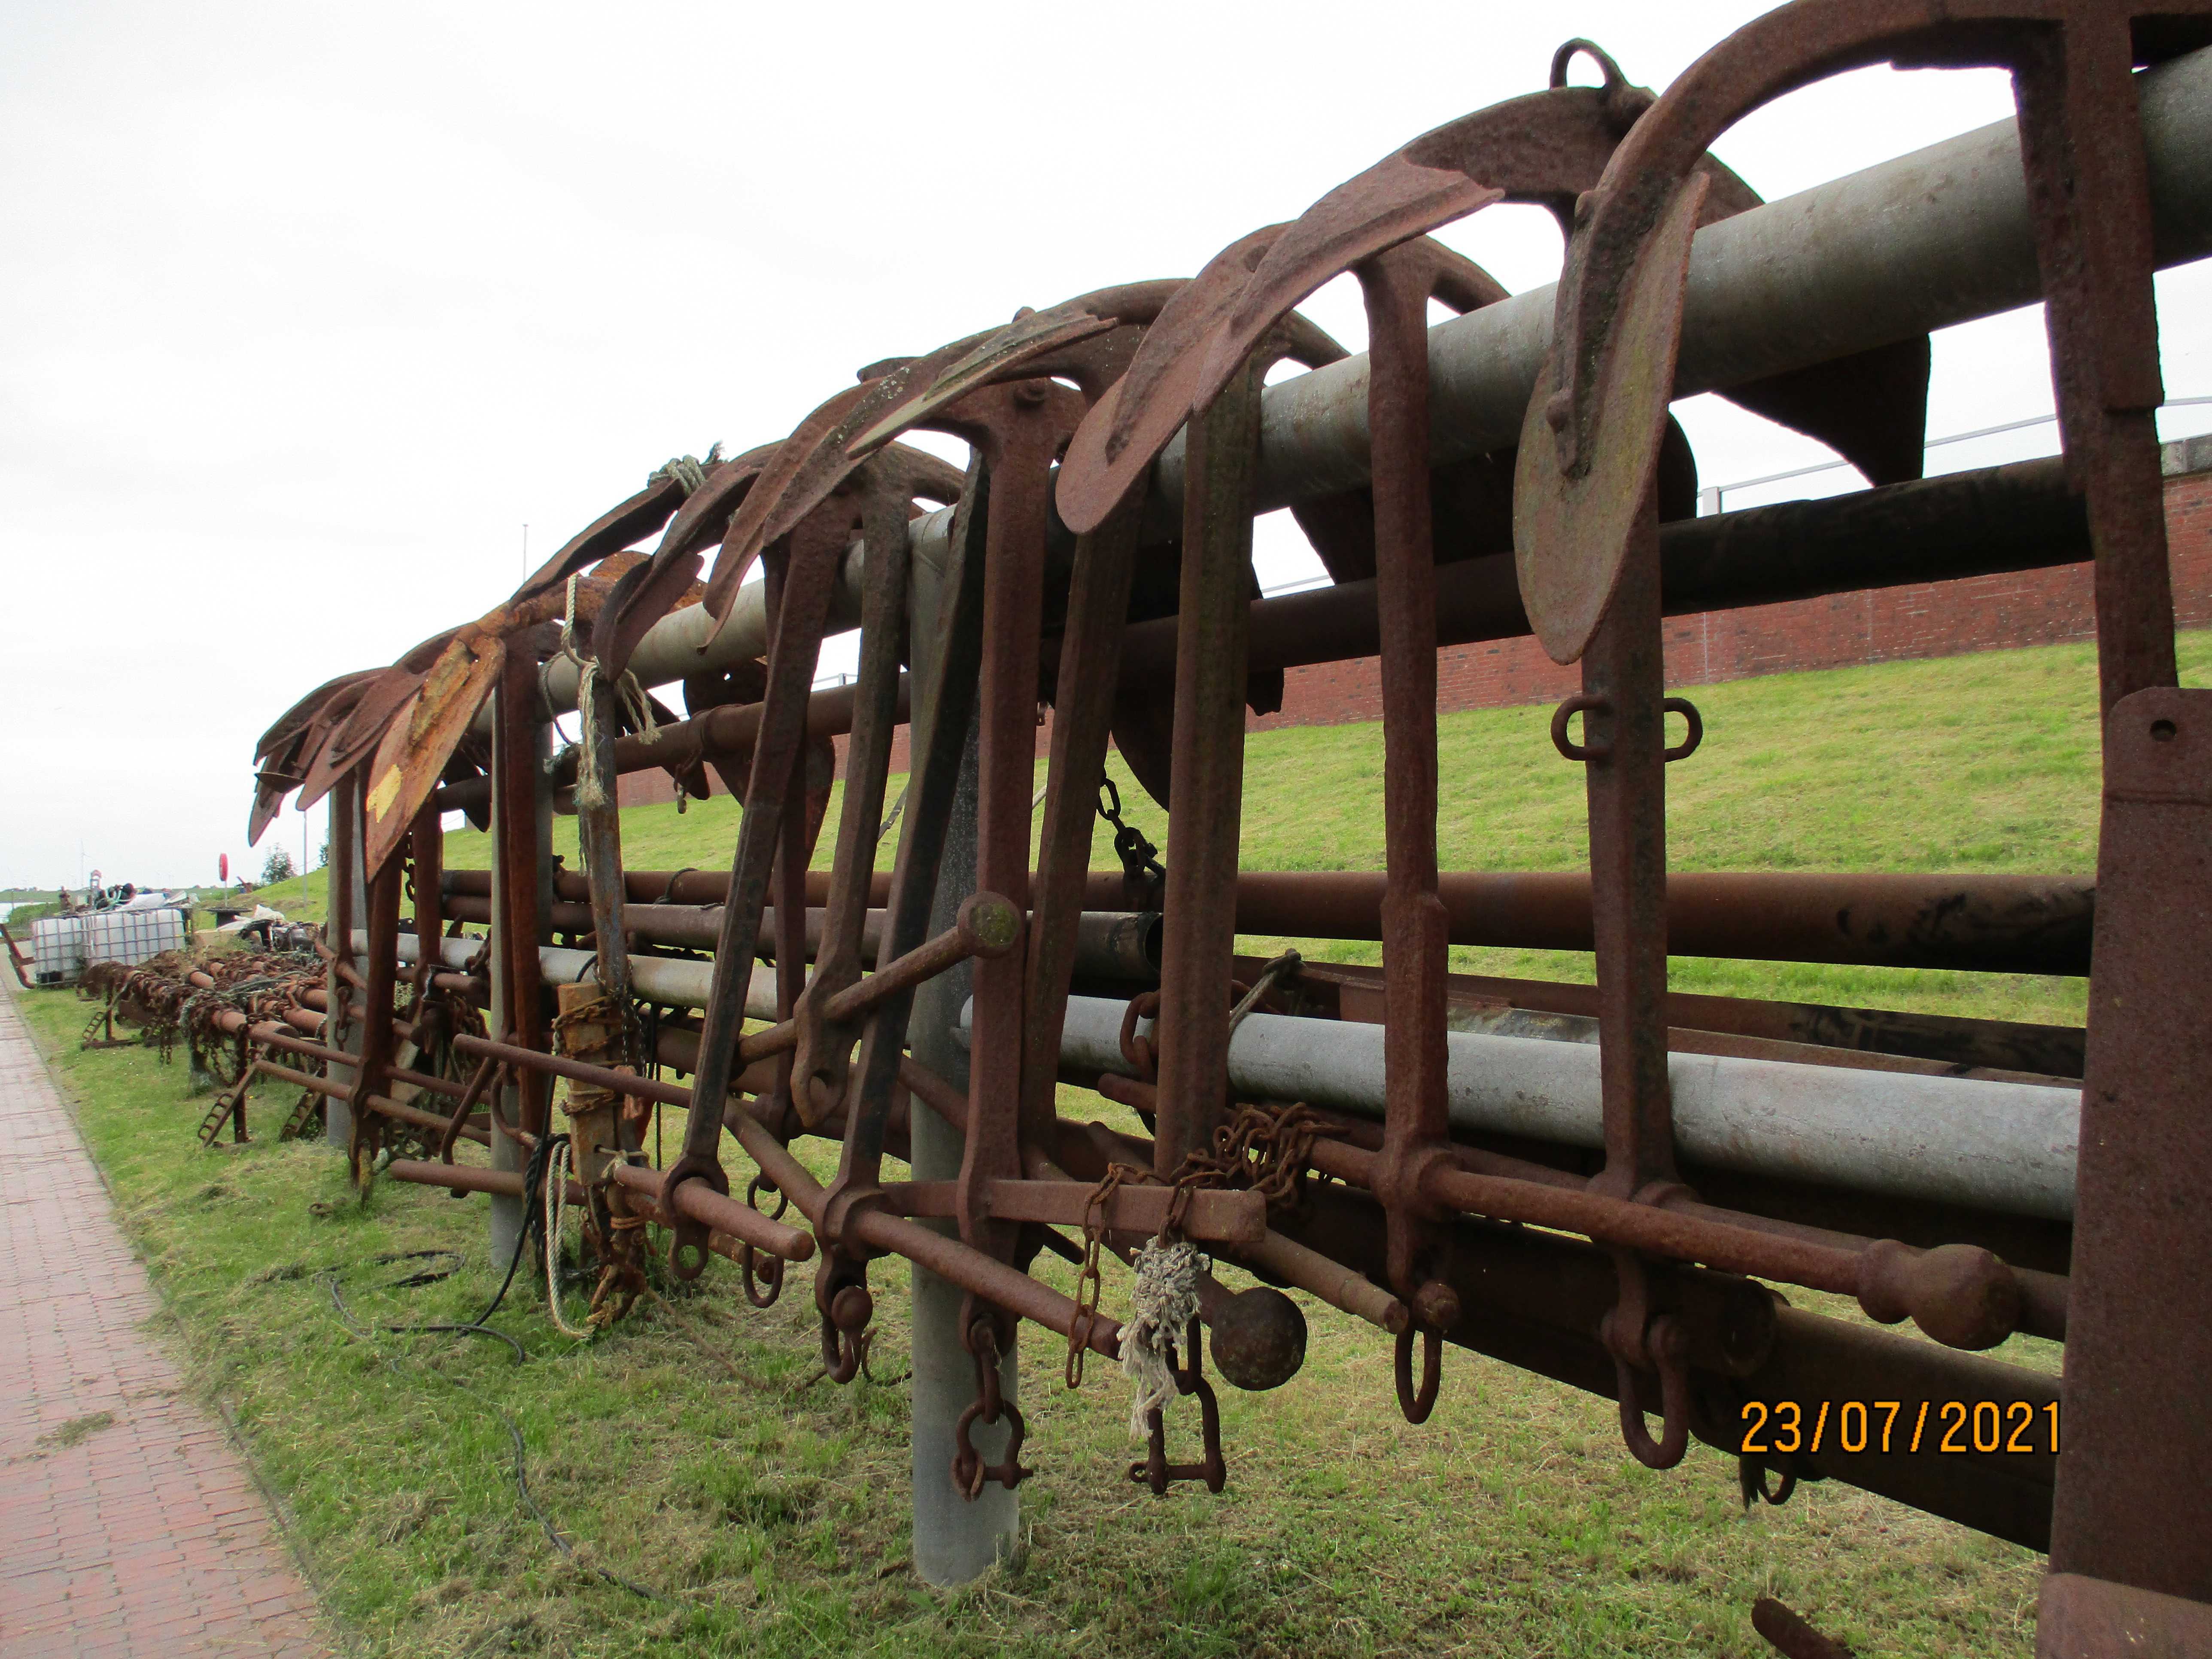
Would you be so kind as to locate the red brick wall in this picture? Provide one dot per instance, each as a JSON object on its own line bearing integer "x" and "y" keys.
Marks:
{"x": 1926, "y": 619}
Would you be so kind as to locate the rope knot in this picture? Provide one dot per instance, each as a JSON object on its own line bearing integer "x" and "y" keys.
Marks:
{"x": 686, "y": 470}
{"x": 1161, "y": 1309}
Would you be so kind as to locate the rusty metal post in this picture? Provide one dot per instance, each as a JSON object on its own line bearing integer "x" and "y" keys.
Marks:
{"x": 1206, "y": 792}
{"x": 1624, "y": 749}
{"x": 349, "y": 904}
{"x": 372, "y": 1076}
{"x": 598, "y": 839}
{"x": 427, "y": 847}
{"x": 1416, "y": 1117}
{"x": 522, "y": 882}
{"x": 2133, "y": 1503}
{"x": 2088, "y": 189}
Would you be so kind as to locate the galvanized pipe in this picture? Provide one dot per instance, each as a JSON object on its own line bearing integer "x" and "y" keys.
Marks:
{"x": 672, "y": 982}
{"x": 2003, "y": 1146}
{"x": 688, "y": 640}
{"x": 1935, "y": 237}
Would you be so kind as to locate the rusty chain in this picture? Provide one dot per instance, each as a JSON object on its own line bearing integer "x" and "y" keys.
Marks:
{"x": 1140, "y": 859}
{"x": 1087, "y": 1282}
{"x": 970, "y": 1472}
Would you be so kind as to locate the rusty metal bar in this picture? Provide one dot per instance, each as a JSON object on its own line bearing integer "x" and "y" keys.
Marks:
{"x": 1208, "y": 772}
{"x": 518, "y": 829}
{"x": 2142, "y": 1313}
{"x": 467, "y": 1178}
{"x": 725, "y": 735}
{"x": 1975, "y": 923}
{"x": 427, "y": 882}
{"x": 1971, "y": 923}
{"x": 701, "y": 1203}
{"x": 1109, "y": 943}
{"x": 1997, "y": 519}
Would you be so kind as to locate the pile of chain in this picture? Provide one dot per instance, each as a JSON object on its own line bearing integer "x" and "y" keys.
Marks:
{"x": 438, "y": 1016}
{"x": 259, "y": 985}
{"x": 158, "y": 998}
{"x": 150, "y": 996}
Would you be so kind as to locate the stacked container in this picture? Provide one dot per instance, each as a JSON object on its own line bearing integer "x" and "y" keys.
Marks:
{"x": 131, "y": 936}
{"x": 57, "y": 949}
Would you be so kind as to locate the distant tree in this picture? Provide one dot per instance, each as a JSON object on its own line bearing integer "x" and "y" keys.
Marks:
{"x": 278, "y": 868}
{"x": 323, "y": 857}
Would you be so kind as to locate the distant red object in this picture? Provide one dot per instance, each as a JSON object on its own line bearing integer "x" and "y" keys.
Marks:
{"x": 222, "y": 867}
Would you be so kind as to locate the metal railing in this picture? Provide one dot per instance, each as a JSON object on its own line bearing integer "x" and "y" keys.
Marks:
{"x": 1710, "y": 498}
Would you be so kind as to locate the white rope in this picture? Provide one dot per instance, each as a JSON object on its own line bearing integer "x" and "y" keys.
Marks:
{"x": 557, "y": 1194}
{"x": 1161, "y": 1308}
{"x": 687, "y": 471}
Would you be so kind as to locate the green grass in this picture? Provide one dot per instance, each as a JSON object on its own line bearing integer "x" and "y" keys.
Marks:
{"x": 690, "y": 1451}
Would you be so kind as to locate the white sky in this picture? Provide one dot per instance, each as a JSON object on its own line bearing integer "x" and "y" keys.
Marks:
{"x": 309, "y": 309}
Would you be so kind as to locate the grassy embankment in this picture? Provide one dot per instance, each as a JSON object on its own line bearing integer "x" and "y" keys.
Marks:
{"x": 690, "y": 1450}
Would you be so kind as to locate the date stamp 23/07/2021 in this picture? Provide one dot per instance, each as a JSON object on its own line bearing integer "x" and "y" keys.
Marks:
{"x": 1955, "y": 1426}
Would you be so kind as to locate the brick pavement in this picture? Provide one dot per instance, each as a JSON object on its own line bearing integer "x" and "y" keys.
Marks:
{"x": 147, "y": 1536}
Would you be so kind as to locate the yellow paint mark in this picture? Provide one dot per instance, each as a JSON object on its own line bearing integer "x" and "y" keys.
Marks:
{"x": 386, "y": 791}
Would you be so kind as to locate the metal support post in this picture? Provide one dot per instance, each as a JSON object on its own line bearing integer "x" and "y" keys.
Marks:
{"x": 348, "y": 909}
{"x": 520, "y": 786}
{"x": 955, "y": 1539}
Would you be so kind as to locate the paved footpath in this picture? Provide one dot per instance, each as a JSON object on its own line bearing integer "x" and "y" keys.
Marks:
{"x": 143, "y": 1535}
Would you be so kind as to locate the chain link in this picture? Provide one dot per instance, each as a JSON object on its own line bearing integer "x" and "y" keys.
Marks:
{"x": 1266, "y": 1150}
{"x": 1087, "y": 1282}
{"x": 1140, "y": 860}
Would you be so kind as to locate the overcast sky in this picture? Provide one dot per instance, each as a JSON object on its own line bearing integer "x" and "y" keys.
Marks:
{"x": 309, "y": 309}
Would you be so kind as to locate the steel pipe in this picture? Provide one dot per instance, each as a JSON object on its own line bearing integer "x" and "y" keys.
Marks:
{"x": 468, "y": 1178}
{"x": 1109, "y": 944}
{"x": 2036, "y": 924}
{"x": 672, "y": 982}
{"x": 1994, "y": 924}
{"x": 1928, "y": 240}
{"x": 1935, "y": 237}
{"x": 2003, "y": 1146}
{"x": 1998, "y": 519}
{"x": 688, "y": 640}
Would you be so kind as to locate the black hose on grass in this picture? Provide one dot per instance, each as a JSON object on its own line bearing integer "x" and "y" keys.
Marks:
{"x": 533, "y": 1178}
{"x": 533, "y": 1226}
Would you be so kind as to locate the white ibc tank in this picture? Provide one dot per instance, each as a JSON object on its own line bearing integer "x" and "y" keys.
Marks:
{"x": 57, "y": 949}
{"x": 132, "y": 936}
